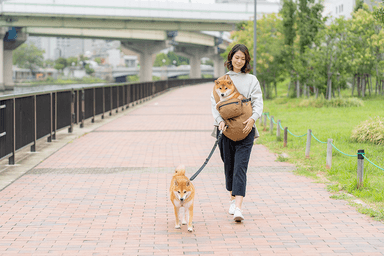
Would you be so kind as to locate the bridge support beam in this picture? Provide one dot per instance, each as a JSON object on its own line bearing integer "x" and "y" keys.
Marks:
{"x": 196, "y": 53}
{"x": 6, "y": 48}
{"x": 218, "y": 62}
{"x": 146, "y": 50}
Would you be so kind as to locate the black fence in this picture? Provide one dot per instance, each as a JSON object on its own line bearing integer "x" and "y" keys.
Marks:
{"x": 26, "y": 118}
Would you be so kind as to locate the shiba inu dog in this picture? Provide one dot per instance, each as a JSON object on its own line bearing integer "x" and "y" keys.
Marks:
{"x": 227, "y": 90}
{"x": 182, "y": 193}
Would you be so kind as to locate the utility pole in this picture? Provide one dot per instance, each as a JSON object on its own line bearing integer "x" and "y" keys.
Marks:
{"x": 254, "y": 39}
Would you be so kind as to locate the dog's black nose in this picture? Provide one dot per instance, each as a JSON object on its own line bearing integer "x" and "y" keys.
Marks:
{"x": 222, "y": 95}
{"x": 181, "y": 199}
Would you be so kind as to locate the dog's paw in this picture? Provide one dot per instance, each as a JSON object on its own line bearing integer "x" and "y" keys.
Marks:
{"x": 190, "y": 229}
{"x": 177, "y": 227}
{"x": 184, "y": 222}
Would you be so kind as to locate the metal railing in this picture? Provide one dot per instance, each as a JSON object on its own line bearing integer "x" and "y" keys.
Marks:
{"x": 26, "y": 118}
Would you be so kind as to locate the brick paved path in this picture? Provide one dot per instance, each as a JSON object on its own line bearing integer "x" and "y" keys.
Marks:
{"x": 106, "y": 193}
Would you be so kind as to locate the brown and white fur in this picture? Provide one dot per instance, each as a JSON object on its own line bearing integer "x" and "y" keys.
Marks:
{"x": 182, "y": 193}
{"x": 226, "y": 90}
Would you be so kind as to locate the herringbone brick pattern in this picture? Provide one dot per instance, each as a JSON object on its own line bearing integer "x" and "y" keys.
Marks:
{"x": 106, "y": 193}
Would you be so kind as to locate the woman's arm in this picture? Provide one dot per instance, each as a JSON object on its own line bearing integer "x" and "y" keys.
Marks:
{"x": 256, "y": 99}
{"x": 215, "y": 112}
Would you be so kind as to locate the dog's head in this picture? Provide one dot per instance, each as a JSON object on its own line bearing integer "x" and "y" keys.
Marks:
{"x": 182, "y": 188}
{"x": 224, "y": 88}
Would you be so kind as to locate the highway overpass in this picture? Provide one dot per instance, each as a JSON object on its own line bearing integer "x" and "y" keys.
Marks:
{"x": 145, "y": 27}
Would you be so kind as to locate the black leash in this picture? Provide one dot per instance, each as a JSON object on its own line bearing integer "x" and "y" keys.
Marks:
{"x": 209, "y": 157}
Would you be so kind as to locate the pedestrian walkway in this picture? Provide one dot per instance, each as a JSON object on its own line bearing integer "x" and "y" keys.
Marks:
{"x": 106, "y": 193}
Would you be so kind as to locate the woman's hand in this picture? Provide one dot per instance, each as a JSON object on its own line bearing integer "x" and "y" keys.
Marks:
{"x": 248, "y": 125}
{"x": 222, "y": 126}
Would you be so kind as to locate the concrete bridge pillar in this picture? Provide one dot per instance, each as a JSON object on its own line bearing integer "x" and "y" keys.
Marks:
{"x": 146, "y": 51}
{"x": 7, "y": 45}
{"x": 194, "y": 54}
{"x": 218, "y": 62}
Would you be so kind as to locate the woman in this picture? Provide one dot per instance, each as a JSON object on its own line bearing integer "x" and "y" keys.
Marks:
{"x": 235, "y": 154}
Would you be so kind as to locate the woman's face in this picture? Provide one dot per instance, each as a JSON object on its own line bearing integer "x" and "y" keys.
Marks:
{"x": 238, "y": 61}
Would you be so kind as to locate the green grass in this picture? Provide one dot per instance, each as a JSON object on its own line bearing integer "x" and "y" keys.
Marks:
{"x": 330, "y": 123}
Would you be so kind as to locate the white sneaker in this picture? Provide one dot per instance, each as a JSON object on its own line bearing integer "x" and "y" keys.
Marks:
{"x": 232, "y": 207}
{"x": 238, "y": 215}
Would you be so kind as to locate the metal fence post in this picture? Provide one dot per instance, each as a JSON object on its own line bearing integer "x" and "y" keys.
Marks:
{"x": 360, "y": 168}
{"x": 55, "y": 118}
{"x": 110, "y": 112}
{"x": 49, "y": 139}
{"x": 11, "y": 159}
{"x": 82, "y": 108}
{"x": 102, "y": 115}
{"x": 33, "y": 146}
{"x": 123, "y": 103}
{"x": 117, "y": 99}
{"x": 94, "y": 105}
{"x": 285, "y": 136}
{"x": 329, "y": 154}
{"x": 70, "y": 129}
{"x": 308, "y": 147}
{"x": 271, "y": 126}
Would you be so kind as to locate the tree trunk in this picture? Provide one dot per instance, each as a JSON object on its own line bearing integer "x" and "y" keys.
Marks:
{"x": 353, "y": 83}
{"x": 338, "y": 84}
{"x": 305, "y": 90}
{"x": 298, "y": 88}
{"x": 370, "y": 85}
{"x": 329, "y": 89}
{"x": 363, "y": 85}
{"x": 317, "y": 92}
{"x": 358, "y": 86}
{"x": 289, "y": 86}
{"x": 275, "y": 84}
{"x": 265, "y": 93}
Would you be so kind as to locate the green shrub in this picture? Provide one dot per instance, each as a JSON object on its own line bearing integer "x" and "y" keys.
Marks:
{"x": 281, "y": 100}
{"x": 371, "y": 130}
{"x": 334, "y": 102}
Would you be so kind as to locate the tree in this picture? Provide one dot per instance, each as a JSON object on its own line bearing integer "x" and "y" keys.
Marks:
{"x": 89, "y": 70}
{"x": 28, "y": 56}
{"x": 161, "y": 60}
{"x": 61, "y": 63}
{"x": 269, "y": 45}
{"x": 309, "y": 22}
{"x": 359, "y": 5}
{"x": 71, "y": 60}
{"x": 366, "y": 48}
{"x": 288, "y": 14}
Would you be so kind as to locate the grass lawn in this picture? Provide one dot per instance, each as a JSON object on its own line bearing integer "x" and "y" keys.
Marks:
{"x": 337, "y": 124}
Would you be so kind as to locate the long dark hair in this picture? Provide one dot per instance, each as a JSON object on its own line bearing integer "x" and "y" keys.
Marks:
{"x": 239, "y": 47}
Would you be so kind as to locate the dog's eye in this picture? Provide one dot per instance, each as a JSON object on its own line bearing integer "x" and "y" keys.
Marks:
{"x": 185, "y": 192}
{"x": 178, "y": 192}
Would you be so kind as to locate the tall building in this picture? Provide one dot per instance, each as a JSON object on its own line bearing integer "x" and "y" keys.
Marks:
{"x": 337, "y": 8}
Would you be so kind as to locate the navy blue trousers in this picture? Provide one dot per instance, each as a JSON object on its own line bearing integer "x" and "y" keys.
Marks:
{"x": 235, "y": 155}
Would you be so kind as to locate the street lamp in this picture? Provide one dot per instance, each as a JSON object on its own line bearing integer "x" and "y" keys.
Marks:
{"x": 254, "y": 39}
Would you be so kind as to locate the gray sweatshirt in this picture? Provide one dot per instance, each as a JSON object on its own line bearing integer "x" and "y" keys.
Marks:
{"x": 249, "y": 87}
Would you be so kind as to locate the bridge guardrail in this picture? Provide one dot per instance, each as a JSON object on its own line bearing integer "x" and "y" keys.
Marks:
{"x": 26, "y": 118}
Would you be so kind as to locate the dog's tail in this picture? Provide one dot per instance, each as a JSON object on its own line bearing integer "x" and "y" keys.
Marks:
{"x": 180, "y": 170}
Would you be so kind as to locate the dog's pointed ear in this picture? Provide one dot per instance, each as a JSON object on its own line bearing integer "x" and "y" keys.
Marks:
{"x": 229, "y": 82}
{"x": 217, "y": 81}
{"x": 188, "y": 182}
{"x": 176, "y": 184}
